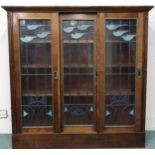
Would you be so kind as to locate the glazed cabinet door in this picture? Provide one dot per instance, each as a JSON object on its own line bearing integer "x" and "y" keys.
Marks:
{"x": 122, "y": 55}
{"x": 78, "y": 50}
{"x": 36, "y": 71}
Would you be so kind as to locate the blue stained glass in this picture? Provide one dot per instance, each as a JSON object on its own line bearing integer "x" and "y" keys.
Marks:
{"x": 107, "y": 113}
{"x": 50, "y": 113}
{"x": 113, "y": 100}
{"x": 65, "y": 109}
{"x": 91, "y": 109}
{"x": 132, "y": 112}
{"x": 34, "y": 100}
{"x": 78, "y": 112}
{"x": 25, "y": 113}
{"x": 124, "y": 100}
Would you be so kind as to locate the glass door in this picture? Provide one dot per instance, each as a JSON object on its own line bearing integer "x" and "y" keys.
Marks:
{"x": 34, "y": 59}
{"x": 36, "y": 72}
{"x": 78, "y": 69}
{"x": 120, "y": 70}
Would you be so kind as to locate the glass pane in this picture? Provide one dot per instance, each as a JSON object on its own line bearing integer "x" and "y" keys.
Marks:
{"x": 78, "y": 71}
{"x": 36, "y": 73}
{"x": 120, "y": 62}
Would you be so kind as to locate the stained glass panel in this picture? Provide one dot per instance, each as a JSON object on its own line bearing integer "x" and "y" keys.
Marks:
{"x": 120, "y": 62}
{"x": 36, "y": 73}
{"x": 78, "y": 72}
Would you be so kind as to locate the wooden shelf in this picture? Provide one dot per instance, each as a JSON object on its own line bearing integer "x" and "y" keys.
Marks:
{"x": 120, "y": 65}
{"x": 65, "y": 94}
{"x": 37, "y": 94}
{"x": 36, "y": 74}
{"x": 78, "y": 66}
{"x": 79, "y": 94}
{"x": 37, "y": 105}
{"x": 119, "y": 41}
{"x": 119, "y": 73}
{"x": 38, "y": 42}
{"x": 78, "y": 74}
{"x": 36, "y": 66}
{"x": 119, "y": 105}
{"x": 83, "y": 104}
{"x": 65, "y": 66}
{"x": 118, "y": 93}
{"x": 78, "y": 41}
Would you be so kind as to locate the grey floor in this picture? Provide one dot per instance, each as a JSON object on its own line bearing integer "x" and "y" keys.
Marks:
{"x": 6, "y": 140}
{"x": 150, "y": 140}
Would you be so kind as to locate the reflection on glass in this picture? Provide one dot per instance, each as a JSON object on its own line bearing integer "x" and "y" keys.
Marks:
{"x": 120, "y": 72}
{"x": 78, "y": 71}
{"x": 36, "y": 73}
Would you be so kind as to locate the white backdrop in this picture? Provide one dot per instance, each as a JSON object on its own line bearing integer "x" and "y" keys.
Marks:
{"x": 5, "y": 103}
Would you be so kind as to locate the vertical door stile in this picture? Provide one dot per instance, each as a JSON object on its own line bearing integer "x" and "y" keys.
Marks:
{"x": 145, "y": 46}
{"x": 16, "y": 59}
{"x": 100, "y": 72}
{"x": 139, "y": 68}
{"x": 12, "y": 83}
{"x": 56, "y": 70}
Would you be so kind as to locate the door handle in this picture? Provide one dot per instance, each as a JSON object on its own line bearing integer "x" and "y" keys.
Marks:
{"x": 139, "y": 73}
{"x": 55, "y": 75}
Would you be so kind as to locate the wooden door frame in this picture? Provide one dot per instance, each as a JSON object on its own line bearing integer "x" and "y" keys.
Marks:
{"x": 81, "y": 16}
{"x": 139, "y": 65}
{"x": 17, "y": 125}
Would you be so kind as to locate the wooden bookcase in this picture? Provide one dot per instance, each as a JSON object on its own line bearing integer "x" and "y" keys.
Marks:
{"x": 78, "y": 76}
